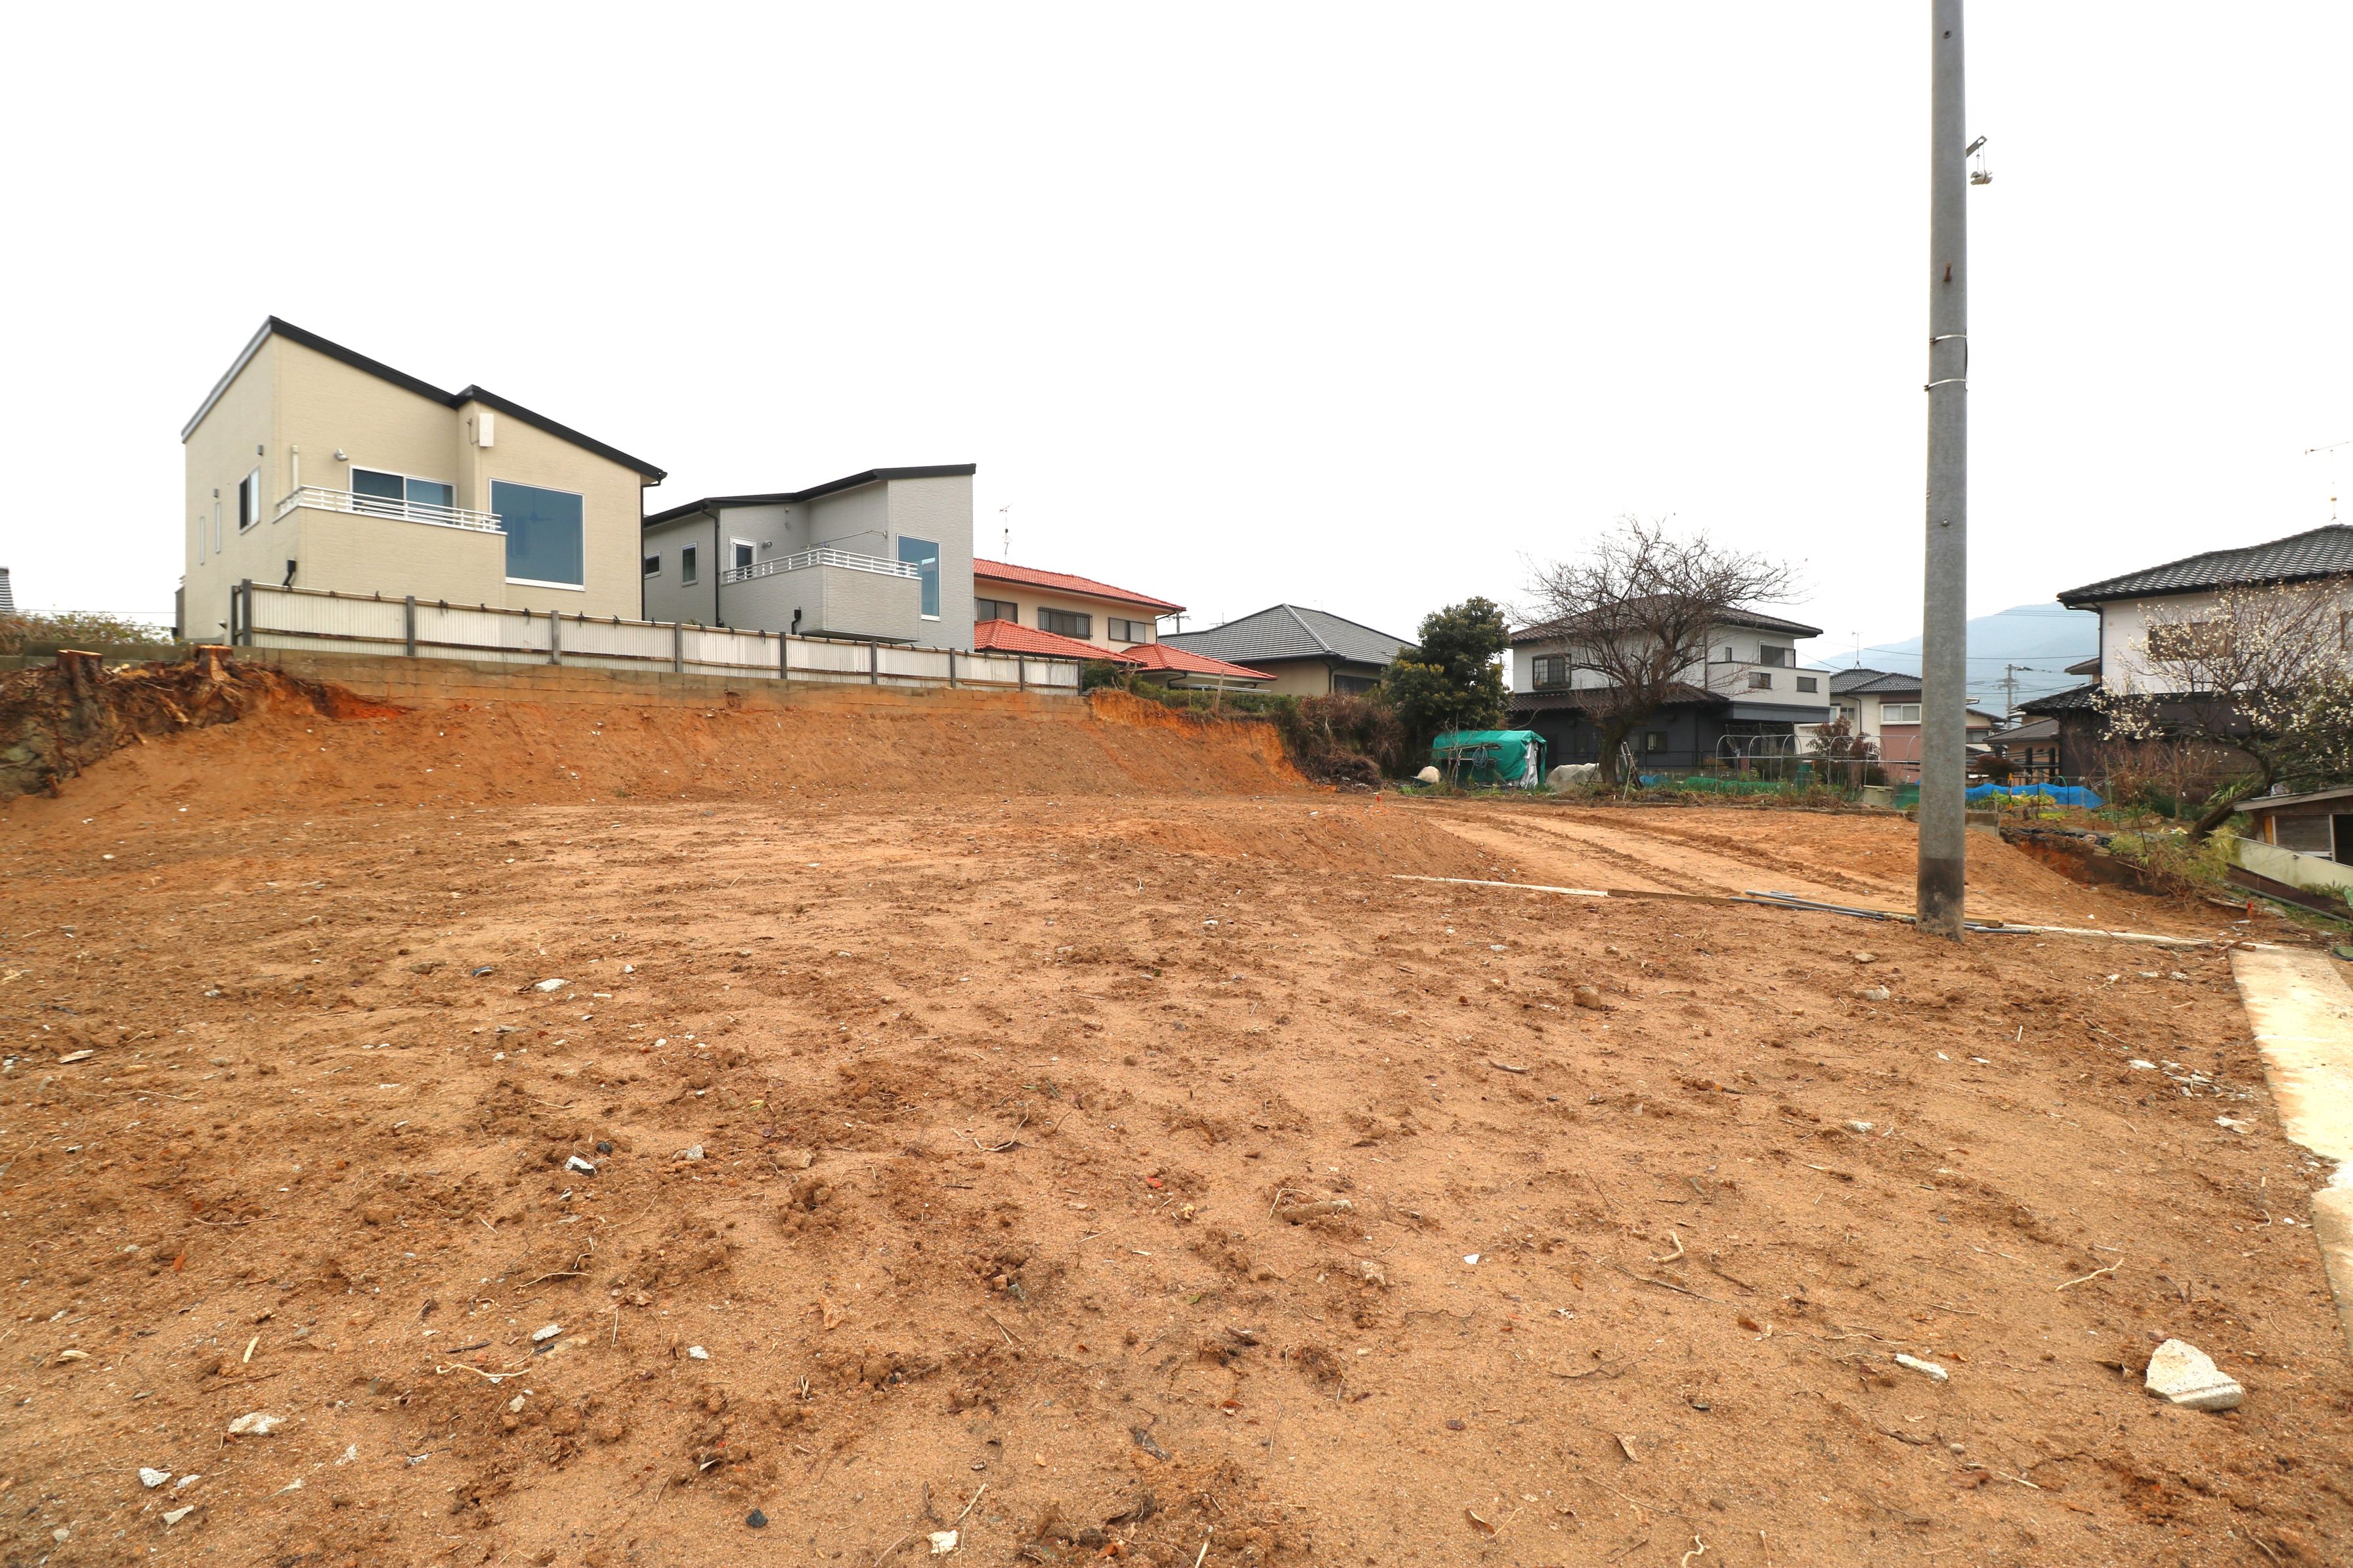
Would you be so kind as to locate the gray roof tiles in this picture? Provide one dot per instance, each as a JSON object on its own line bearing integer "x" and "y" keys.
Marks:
{"x": 1290, "y": 631}
{"x": 2325, "y": 552}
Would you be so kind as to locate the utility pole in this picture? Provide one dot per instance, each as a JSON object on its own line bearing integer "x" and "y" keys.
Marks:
{"x": 1944, "y": 622}
{"x": 2010, "y": 690}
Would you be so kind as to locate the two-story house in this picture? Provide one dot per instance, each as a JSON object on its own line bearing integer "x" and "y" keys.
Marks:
{"x": 310, "y": 464}
{"x": 1748, "y": 695}
{"x": 1067, "y": 605}
{"x": 885, "y": 556}
{"x": 2174, "y": 596}
{"x": 1884, "y": 708}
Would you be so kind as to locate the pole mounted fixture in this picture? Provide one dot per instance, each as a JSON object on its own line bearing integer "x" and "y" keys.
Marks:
{"x": 1944, "y": 622}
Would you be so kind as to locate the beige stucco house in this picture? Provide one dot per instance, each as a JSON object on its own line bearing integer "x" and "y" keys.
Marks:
{"x": 313, "y": 464}
{"x": 1066, "y": 604}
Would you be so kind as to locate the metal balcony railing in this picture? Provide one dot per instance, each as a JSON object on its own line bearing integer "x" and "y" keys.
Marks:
{"x": 320, "y": 499}
{"x": 807, "y": 558}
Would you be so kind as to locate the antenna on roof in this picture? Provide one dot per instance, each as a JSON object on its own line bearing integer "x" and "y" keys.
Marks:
{"x": 2331, "y": 450}
{"x": 1005, "y": 517}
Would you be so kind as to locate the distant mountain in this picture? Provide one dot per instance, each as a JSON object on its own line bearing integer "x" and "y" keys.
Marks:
{"x": 2043, "y": 639}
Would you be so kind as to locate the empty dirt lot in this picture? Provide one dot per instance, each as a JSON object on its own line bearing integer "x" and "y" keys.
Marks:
{"x": 1069, "y": 1133}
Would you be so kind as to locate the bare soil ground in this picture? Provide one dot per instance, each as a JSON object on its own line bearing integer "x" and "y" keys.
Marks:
{"x": 1119, "y": 1164}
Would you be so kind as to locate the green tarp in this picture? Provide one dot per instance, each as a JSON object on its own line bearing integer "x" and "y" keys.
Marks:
{"x": 1513, "y": 758}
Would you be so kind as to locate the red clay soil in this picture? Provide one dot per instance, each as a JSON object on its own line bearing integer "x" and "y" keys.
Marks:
{"x": 1111, "y": 1160}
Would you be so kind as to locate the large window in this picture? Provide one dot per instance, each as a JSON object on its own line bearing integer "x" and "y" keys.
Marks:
{"x": 1899, "y": 712}
{"x": 924, "y": 557}
{"x": 1065, "y": 623}
{"x": 371, "y": 486}
{"x": 1778, "y": 657}
{"x": 1130, "y": 631}
{"x": 544, "y": 543}
{"x": 995, "y": 610}
{"x": 1549, "y": 670}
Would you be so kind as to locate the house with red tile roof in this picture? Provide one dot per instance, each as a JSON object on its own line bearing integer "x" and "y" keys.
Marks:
{"x": 1083, "y": 609}
{"x": 1164, "y": 664}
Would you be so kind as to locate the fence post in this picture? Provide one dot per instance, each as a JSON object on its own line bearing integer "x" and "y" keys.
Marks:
{"x": 244, "y": 621}
{"x": 677, "y": 648}
{"x": 555, "y": 637}
{"x": 408, "y": 624}
{"x": 874, "y": 664}
{"x": 951, "y": 669}
{"x": 784, "y": 656}
{"x": 1022, "y": 666}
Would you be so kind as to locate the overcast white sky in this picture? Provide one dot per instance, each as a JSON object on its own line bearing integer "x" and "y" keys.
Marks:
{"x": 1354, "y": 306}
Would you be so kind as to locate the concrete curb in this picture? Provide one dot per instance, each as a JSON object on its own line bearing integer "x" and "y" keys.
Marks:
{"x": 2302, "y": 1011}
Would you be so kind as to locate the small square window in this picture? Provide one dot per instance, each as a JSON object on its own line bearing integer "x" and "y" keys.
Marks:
{"x": 653, "y": 565}
{"x": 1654, "y": 741}
{"x": 1810, "y": 683}
{"x": 1759, "y": 680}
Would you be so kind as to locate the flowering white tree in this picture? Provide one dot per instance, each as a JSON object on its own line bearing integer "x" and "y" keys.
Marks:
{"x": 2259, "y": 681}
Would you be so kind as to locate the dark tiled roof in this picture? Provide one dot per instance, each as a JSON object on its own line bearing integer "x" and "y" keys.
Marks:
{"x": 2318, "y": 553}
{"x": 2074, "y": 699}
{"x": 1750, "y": 620}
{"x": 1845, "y": 680}
{"x": 1289, "y": 631}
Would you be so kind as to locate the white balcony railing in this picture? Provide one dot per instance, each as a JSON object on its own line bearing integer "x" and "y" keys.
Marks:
{"x": 320, "y": 499}
{"x": 807, "y": 558}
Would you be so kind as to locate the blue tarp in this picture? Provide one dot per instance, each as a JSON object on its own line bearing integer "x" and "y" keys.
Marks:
{"x": 2061, "y": 794}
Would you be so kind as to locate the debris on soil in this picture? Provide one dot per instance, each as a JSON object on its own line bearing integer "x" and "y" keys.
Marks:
{"x": 1927, "y": 1368}
{"x": 2181, "y": 1373}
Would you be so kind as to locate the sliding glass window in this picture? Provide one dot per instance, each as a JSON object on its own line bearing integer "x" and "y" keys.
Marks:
{"x": 543, "y": 533}
{"x": 375, "y": 491}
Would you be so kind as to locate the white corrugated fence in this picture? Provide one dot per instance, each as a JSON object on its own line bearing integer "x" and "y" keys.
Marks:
{"x": 264, "y": 614}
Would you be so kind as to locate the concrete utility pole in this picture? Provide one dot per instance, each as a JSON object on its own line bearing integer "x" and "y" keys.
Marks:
{"x": 1944, "y": 646}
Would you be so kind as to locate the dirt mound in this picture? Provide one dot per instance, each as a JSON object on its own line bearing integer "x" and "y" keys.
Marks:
{"x": 334, "y": 750}
{"x": 55, "y": 721}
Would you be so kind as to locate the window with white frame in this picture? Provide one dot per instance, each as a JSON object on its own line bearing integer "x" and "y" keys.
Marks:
{"x": 653, "y": 565}
{"x": 1130, "y": 631}
{"x": 372, "y": 489}
{"x": 741, "y": 553}
{"x": 248, "y": 500}
{"x": 1899, "y": 712}
{"x": 1778, "y": 657}
{"x": 544, "y": 530}
{"x": 686, "y": 564}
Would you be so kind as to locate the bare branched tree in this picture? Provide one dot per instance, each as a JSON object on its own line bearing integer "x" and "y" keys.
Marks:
{"x": 2258, "y": 681}
{"x": 1635, "y": 613}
